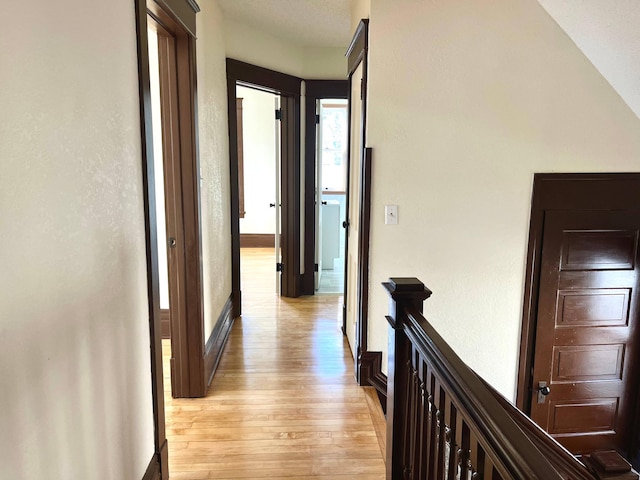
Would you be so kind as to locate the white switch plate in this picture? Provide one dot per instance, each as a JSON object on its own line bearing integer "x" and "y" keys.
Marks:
{"x": 391, "y": 214}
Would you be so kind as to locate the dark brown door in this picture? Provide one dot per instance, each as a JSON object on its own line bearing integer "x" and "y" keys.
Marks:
{"x": 587, "y": 335}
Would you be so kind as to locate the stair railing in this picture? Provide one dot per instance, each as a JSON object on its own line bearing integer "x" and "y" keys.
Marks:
{"x": 443, "y": 421}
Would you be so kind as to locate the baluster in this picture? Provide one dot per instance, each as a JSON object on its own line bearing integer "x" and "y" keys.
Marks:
{"x": 470, "y": 474}
{"x": 436, "y": 442}
{"x": 419, "y": 469}
{"x": 441, "y": 419}
{"x": 434, "y": 428}
{"x": 447, "y": 452}
{"x": 406, "y": 461}
{"x": 475, "y": 453}
{"x": 463, "y": 464}
{"x": 421, "y": 444}
{"x": 462, "y": 436}
{"x": 460, "y": 424}
{"x": 415, "y": 398}
{"x": 413, "y": 410}
{"x": 451, "y": 413}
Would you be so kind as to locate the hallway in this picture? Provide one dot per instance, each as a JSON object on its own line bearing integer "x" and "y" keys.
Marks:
{"x": 284, "y": 402}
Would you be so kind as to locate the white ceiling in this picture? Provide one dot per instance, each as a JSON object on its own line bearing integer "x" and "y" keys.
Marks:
{"x": 312, "y": 23}
{"x": 608, "y": 33}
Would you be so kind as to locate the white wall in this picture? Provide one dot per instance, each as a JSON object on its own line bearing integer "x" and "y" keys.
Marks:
{"x": 466, "y": 103}
{"x": 75, "y": 386}
{"x": 328, "y": 63}
{"x": 258, "y": 128}
{"x": 608, "y": 34}
{"x": 214, "y": 163}
{"x": 252, "y": 45}
{"x": 359, "y": 9}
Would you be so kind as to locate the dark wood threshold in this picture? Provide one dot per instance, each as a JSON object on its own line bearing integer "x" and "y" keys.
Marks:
{"x": 153, "y": 470}
{"x": 165, "y": 323}
{"x": 371, "y": 374}
{"x": 217, "y": 341}
{"x": 257, "y": 240}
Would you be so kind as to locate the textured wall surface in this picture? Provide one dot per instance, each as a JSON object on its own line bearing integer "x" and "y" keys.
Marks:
{"x": 302, "y": 22}
{"x": 466, "y": 103}
{"x": 214, "y": 163}
{"x": 608, "y": 34}
{"x": 75, "y": 384}
{"x": 359, "y": 9}
{"x": 258, "y": 47}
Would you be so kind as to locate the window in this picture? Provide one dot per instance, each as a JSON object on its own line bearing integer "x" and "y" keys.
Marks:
{"x": 334, "y": 128}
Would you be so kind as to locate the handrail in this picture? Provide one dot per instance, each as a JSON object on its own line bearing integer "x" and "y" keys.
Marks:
{"x": 558, "y": 455}
{"x": 443, "y": 421}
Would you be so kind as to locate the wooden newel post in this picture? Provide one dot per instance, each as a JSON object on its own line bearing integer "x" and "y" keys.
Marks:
{"x": 403, "y": 293}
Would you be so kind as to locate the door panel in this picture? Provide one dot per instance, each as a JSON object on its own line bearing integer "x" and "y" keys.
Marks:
{"x": 278, "y": 202}
{"x": 318, "y": 201}
{"x": 174, "y": 213}
{"x": 586, "y": 327}
{"x": 353, "y": 209}
{"x": 289, "y": 196}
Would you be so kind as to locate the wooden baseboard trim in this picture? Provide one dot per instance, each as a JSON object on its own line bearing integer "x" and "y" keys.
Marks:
{"x": 257, "y": 240}
{"x": 165, "y": 323}
{"x": 217, "y": 340}
{"x": 153, "y": 470}
{"x": 371, "y": 374}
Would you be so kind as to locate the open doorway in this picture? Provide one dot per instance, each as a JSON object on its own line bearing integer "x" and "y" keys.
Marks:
{"x": 288, "y": 89}
{"x": 259, "y": 187}
{"x": 175, "y": 189}
{"x": 331, "y": 177}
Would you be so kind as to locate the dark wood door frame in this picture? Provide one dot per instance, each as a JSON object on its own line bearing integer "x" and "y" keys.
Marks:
{"x": 288, "y": 87}
{"x": 187, "y": 314}
{"x": 367, "y": 364}
{"x": 314, "y": 90}
{"x": 181, "y": 15}
{"x": 551, "y": 191}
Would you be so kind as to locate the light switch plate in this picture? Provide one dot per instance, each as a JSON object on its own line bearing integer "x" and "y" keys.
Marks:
{"x": 391, "y": 214}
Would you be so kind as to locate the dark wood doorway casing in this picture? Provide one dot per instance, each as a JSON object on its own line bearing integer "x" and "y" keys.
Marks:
{"x": 179, "y": 15}
{"x": 289, "y": 88}
{"x": 367, "y": 364}
{"x": 182, "y": 189}
{"x": 314, "y": 90}
{"x": 559, "y": 195}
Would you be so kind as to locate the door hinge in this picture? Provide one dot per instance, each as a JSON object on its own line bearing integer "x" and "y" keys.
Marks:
{"x": 279, "y": 114}
{"x": 362, "y": 88}
{"x": 317, "y": 119}
{"x": 279, "y": 267}
{"x": 315, "y": 267}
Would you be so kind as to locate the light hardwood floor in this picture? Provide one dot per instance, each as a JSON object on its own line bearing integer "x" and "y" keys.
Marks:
{"x": 283, "y": 402}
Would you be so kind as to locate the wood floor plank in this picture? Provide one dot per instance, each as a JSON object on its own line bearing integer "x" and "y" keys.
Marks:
{"x": 284, "y": 403}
